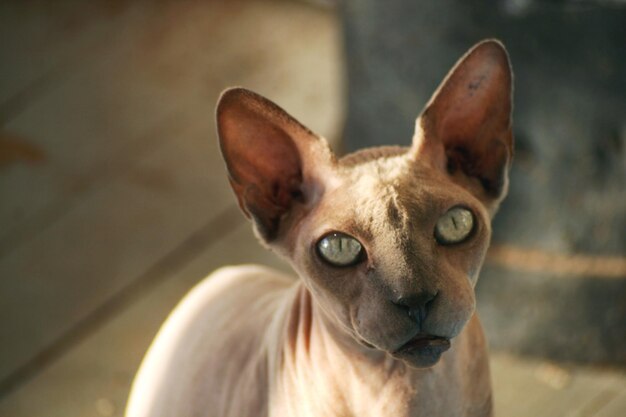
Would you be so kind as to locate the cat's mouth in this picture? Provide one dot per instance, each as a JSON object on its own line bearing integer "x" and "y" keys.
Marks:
{"x": 424, "y": 344}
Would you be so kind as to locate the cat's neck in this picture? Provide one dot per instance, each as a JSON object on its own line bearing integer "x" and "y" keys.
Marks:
{"x": 311, "y": 330}
{"x": 323, "y": 365}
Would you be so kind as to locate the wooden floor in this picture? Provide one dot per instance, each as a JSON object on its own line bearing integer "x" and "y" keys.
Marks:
{"x": 113, "y": 198}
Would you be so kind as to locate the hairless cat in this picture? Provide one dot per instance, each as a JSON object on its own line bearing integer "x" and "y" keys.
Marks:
{"x": 387, "y": 242}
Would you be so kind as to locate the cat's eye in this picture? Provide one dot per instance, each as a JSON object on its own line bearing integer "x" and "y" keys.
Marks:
{"x": 454, "y": 226}
{"x": 339, "y": 249}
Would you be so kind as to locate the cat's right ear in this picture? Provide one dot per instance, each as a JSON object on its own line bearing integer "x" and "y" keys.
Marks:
{"x": 274, "y": 163}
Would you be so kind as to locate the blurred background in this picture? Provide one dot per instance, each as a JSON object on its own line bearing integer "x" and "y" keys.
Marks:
{"x": 114, "y": 200}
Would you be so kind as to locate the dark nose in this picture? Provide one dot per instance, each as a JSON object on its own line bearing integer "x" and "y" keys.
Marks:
{"x": 417, "y": 305}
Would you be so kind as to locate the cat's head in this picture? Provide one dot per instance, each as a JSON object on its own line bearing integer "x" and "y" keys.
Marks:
{"x": 389, "y": 240}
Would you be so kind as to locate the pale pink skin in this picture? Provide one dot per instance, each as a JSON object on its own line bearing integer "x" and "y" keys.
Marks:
{"x": 250, "y": 341}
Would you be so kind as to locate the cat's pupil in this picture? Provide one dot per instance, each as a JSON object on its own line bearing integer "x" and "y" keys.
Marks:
{"x": 339, "y": 249}
{"x": 454, "y": 226}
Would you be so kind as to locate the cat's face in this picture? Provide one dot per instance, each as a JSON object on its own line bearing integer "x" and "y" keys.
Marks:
{"x": 389, "y": 240}
{"x": 374, "y": 254}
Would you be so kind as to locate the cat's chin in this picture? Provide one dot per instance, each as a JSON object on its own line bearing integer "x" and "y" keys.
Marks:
{"x": 419, "y": 360}
{"x": 422, "y": 352}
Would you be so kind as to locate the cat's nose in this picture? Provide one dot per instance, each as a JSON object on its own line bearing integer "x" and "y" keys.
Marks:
{"x": 417, "y": 305}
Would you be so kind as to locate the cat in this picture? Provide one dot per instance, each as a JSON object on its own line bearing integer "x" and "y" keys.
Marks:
{"x": 388, "y": 243}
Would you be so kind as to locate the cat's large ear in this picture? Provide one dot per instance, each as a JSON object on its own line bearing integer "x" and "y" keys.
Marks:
{"x": 274, "y": 163}
{"x": 466, "y": 126}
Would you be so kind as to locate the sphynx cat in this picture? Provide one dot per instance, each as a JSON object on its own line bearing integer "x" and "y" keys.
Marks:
{"x": 387, "y": 242}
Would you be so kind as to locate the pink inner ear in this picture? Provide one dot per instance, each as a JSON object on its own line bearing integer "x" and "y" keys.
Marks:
{"x": 470, "y": 115}
{"x": 266, "y": 157}
{"x": 262, "y": 159}
{"x": 474, "y": 101}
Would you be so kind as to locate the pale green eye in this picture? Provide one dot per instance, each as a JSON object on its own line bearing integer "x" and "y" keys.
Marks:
{"x": 454, "y": 226}
{"x": 339, "y": 250}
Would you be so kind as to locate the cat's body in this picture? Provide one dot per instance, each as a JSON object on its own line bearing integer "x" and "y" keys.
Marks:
{"x": 387, "y": 243}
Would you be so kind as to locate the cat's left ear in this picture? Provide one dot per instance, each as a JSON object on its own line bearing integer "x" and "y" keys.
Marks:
{"x": 465, "y": 128}
{"x": 274, "y": 163}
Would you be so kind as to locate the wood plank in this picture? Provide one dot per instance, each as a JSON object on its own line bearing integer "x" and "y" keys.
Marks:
{"x": 41, "y": 47}
{"x": 103, "y": 243}
{"x": 508, "y": 375}
{"x": 524, "y": 387}
{"x": 612, "y": 404}
{"x": 157, "y": 64}
{"x": 34, "y": 38}
{"x": 99, "y": 112}
{"x": 42, "y": 42}
{"x": 94, "y": 377}
{"x": 580, "y": 394}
